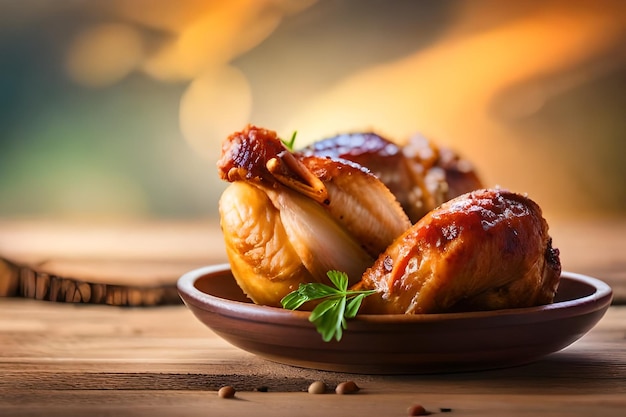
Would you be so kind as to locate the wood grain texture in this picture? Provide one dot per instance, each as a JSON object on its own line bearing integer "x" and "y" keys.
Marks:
{"x": 162, "y": 361}
{"x": 194, "y": 403}
{"x": 65, "y": 359}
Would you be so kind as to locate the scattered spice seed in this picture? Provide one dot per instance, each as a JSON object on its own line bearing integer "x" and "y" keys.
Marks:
{"x": 417, "y": 410}
{"x": 445, "y": 410}
{"x": 348, "y": 387}
{"x": 226, "y": 392}
{"x": 317, "y": 387}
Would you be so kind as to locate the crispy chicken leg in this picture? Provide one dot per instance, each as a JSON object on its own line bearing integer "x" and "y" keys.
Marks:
{"x": 485, "y": 250}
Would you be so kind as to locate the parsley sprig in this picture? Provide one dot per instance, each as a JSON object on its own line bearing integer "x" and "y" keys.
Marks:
{"x": 289, "y": 144}
{"x": 339, "y": 304}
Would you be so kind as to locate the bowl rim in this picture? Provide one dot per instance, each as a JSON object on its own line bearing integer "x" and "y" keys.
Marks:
{"x": 600, "y": 298}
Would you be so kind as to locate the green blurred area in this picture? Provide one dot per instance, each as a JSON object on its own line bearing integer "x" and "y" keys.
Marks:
{"x": 113, "y": 152}
{"x": 67, "y": 150}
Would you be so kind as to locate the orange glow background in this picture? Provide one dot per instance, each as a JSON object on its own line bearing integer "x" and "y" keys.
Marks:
{"x": 116, "y": 109}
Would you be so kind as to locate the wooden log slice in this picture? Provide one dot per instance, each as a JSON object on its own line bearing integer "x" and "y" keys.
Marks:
{"x": 119, "y": 283}
{"x": 122, "y": 264}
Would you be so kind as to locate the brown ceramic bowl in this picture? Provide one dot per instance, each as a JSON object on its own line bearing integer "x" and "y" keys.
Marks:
{"x": 395, "y": 344}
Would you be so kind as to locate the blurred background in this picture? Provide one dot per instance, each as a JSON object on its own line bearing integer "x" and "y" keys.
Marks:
{"x": 115, "y": 109}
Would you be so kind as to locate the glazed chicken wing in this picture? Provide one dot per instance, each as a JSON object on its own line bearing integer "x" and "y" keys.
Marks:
{"x": 488, "y": 249}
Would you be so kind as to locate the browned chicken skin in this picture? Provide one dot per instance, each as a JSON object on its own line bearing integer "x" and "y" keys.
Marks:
{"x": 420, "y": 174}
{"x": 289, "y": 219}
{"x": 485, "y": 250}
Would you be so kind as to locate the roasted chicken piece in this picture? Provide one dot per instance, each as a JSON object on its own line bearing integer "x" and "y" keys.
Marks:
{"x": 485, "y": 250}
{"x": 420, "y": 174}
{"x": 289, "y": 218}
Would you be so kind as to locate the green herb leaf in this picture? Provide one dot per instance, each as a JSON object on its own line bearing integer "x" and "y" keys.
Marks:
{"x": 291, "y": 142}
{"x": 339, "y": 303}
{"x": 339, "y": 280}
{"x": 353, "y": 306}
{"x": 293, "y": 300}
{"x": 322, "y": 309}
{"x": 314, "y": 291}
{"x": 330, "y": 323}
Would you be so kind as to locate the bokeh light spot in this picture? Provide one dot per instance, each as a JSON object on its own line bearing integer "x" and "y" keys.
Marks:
{"x": 213, "y": 106}
{"x": 103, "y": 55}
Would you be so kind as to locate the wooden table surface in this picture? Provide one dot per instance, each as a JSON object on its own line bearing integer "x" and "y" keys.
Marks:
{"x": 60, "y": 358}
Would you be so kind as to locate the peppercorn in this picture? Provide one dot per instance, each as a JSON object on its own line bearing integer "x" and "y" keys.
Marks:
{"x": 226, "y": 392}
{"x": 348, "y": 387}
{"x": 317, "y": 387}
{"x": 417, "y": 410}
